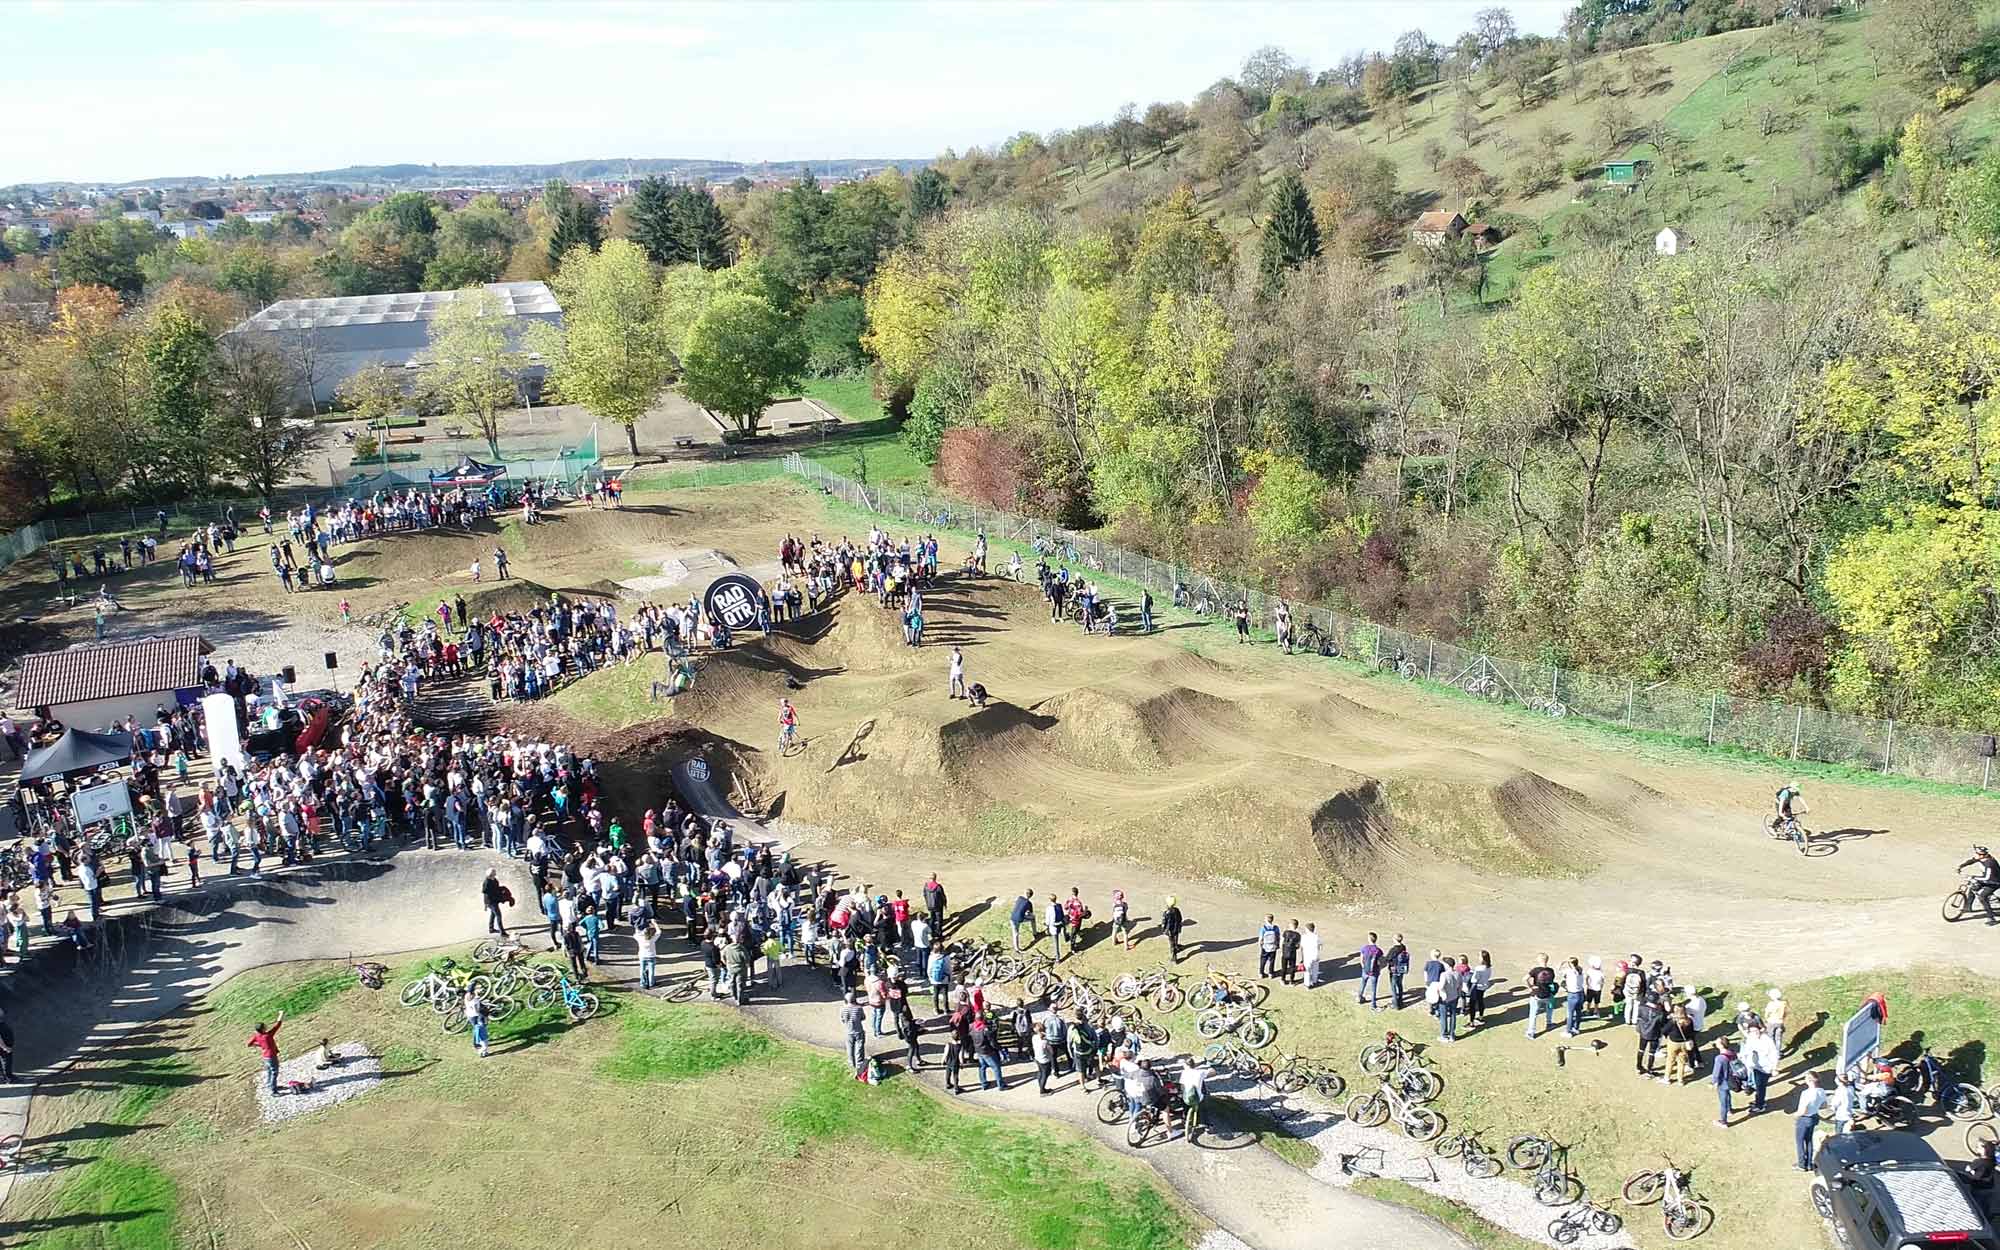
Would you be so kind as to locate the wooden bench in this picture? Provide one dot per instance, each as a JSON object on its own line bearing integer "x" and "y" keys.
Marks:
{"x": 452, "y": 431}
{"x": 684, "y": 444}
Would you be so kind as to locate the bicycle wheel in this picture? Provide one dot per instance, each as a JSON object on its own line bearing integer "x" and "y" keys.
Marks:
{"x": 10, "y": 1150}
{"x": 502, "y": 1007}
{"x": 1006, "y": 968}
{"x": 1167, "y": 997}
{"x": 1125, "y": 988}
{"x": 1330, "y": 1084}
{"x": 1528, "y": 1152}
{"x": 1368, "y": 1110}
{"x": 417, "y": 992}
{"x": 1257, "y": 994}
{"x": 1558, "y": 1189}
{"x": 583, "y": 1008}
{"x": 1644, "y": 1188}
{"x": 1288, "y": 1080}
{"x": 1111, "y": 1107}
{"x": 682, "y": 991}
{"x": 1481, "y": 1165}
{"x": 1450, "y": 1147}
{"x": 1037, "y": 983}
{"x": 1210, "y": 1024}
{"x": 1968, "y": 1104}
{"x": 1201, "y": 997}
{"x": 542, "y": 997}
{"x": 1377, "y": 1059}
{"x": 1150, "y": 1033}
{"x": 1422, "y": 1085}
{"x": 1259, "y": 1032}
{"x": 1140, "y": 1128}
{"x": 1978, "y": 1135}
{"x": 1219, "y": 1054}
{"x": 1605, "y": 1222}
{"x": 1061, "y": 995}
{"x": 1422, "y": 1124}
{"x": 489, "y": 952}
{"x": 1563, "y": 1231}
{"x": 455, "y": 1022}
{"x": 1955, "y": 904}
{"x": 1689, "y": 1219}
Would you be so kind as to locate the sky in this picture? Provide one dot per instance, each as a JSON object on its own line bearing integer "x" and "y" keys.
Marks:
{"x": 104, "y": 91}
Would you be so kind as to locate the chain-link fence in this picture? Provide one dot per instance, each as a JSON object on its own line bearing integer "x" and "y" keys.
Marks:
{"x": 25, "y": 541}
{"x": 1782, "y": 731}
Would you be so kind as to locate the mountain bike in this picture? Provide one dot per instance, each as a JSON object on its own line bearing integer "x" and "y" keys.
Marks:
{"x": 1686, "y": 1214}
{"x": 581, "y": 1004}
{"x": 1160, "y": 986}
{"x": 370, "y": 974}
{"x": 1791, "y": 829}
{"x": 1959, "y": 903}
{"x": 682, "y": 989}
{"x": 498, "y": 1008}
{"x": 1231, "y": 1055}
{"x": 1554, "y": 1184}
{"x": 1218, "y": 987}
{"x": 1243, "y": 1019}
{"x": 1583, "y": 1218}
{"x": 1419, "y": 1123}
{"x": 1961, "y": 1100}
{"x": 788, "y": 738}
{"x": 1296, "y": 1072}
{"x": 491, "y": 952}
{"x": 1479, "y": 1162}
{"x": 1387, "y": 1054}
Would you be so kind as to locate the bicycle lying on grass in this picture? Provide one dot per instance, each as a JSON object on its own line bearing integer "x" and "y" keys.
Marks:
{"x": 1554, "y": 1184}
{"x": 1684, "y": 1212}
{"x": 1419, "y": 1123}
{"x": 1583, "y": 1218}
{"x": 581, "y": 1004}
{"x": 1479, "y": 1162}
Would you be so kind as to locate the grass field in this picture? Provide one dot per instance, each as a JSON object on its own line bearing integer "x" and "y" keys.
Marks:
{"x": 647, "y": 1123}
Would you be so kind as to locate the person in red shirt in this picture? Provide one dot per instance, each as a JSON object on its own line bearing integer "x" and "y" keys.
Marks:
{"x": 266, "y": 1042}
{"x": 899, "y": 907}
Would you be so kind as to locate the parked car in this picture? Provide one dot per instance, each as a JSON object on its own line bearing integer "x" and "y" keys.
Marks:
{"x": 1891, "y": 1191}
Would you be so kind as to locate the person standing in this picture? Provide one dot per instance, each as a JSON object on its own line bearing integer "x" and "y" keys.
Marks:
{"x": 1267, "y": 947}
{"x": 1309, "y": 952}
{"x": 264, "y": 1039}
{"x": 1541, "y": 995}
{"x": 854, "y": 1020}
{"x": 649, "y": 953}
{"x": 986, "y": 1051}
{"x": 1044, "y": 1055}
{"x": 1574, "y": 979}
{"x": 1370, "y": 989}
{"x": 1398, "y": 960}
{"x": 1812, "y": 1097}
{"x": 1651, "y": 1023}
{"x": 1679, "y": 1036}
{"x": 957, "y": 673}
{"x": 475, "y": 1016}
{"x": 1723, "y": 1076}
{"x": 1023, "y": 913}
{"x": 7, "y": 1049}
{"x": 1448, "y": 986}
{"x": 1433, "y": 969}
{"x": 1288, "y": 953}
{"x": 1774, "y": 1018}
{"x": 1760, "y": 1057}
{"x": 1056, "y": 919}
{"x": 1171, "y": 921}
{"x": 1478, "y": 979}
{"x": 491, "y": 892}
{"x": 934, "y": 901}
{"x": 737, "y": 961}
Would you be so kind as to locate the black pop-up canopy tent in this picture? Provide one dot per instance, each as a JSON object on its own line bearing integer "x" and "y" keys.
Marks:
{"x": 76, "y": 752}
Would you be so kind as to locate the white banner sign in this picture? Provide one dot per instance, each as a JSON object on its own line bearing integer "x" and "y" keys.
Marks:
{"x": 101, "y": 802}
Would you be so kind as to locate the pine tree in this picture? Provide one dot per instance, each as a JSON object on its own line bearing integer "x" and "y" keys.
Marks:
{"x": 653, "y": 225}
{"x": 928, "y": 193}
{"x": 573, "y": 220}
{"x": 1291, "y": 234}
{"x": 701, "y": 233}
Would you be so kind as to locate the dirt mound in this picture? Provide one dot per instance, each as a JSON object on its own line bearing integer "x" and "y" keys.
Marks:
{"x": 1520, "y": 822}
{"x": 1103, "y": 730}
{"x": 1353, "y": 831}
{"x": 516, "y": 594}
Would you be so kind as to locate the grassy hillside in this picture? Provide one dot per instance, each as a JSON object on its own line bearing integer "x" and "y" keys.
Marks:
{"x": 1750, "y": 108}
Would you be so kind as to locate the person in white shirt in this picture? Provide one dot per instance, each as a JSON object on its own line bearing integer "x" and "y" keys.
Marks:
{"x": 1760, "y": 1056}
{"x": 1811, "y": 1098}
{"x": 957, "y": 673}
{"x": 1308, "y": 955}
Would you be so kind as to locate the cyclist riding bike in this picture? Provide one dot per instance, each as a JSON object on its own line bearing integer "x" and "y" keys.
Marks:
{"x": 788, "y": 723}
{"x": 1787, "y": 795}
{"x": 1981, "y": 890}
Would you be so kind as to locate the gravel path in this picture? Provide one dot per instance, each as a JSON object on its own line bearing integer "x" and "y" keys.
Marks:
{"x": 1500, "y": 1200}
{"x": 357, "y": 1073}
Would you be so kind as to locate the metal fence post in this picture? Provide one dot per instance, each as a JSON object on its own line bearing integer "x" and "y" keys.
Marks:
{"x": 1631, "y": 695}
{"x": 1889, "y": 748}
{"x": 1798, "y": 731}
{"x": 1711, "y": 719}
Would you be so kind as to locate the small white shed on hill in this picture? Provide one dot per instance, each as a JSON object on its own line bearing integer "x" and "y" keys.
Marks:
{"x": 1671, "y": 242}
